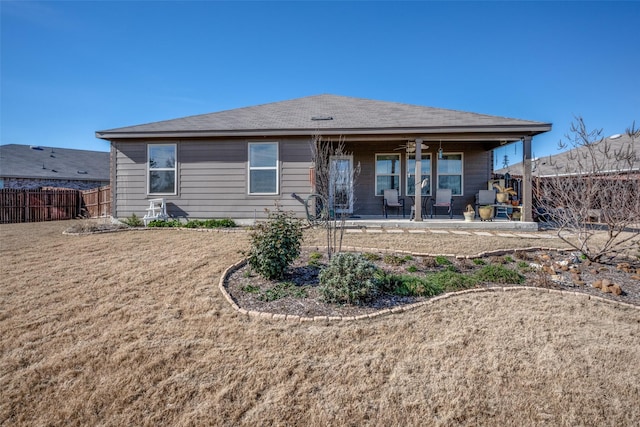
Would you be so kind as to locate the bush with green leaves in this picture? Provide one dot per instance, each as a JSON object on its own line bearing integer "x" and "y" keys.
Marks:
{"x": 450, "y": 281}
{"x": 210, "y": 223}
{"x": 283, "y": 290}
{"x": 348, "y": 279}
{"x": 133, "y": 221}
{"x": 408, "y": 285}
{"x": 275, "y": 244}
{"x": 166, "y": 224}
{"x": 498, "y": 274}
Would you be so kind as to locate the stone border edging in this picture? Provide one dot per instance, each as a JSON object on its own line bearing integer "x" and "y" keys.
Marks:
{"x": 118, "y": 230}
{"x": 403, "y": 308}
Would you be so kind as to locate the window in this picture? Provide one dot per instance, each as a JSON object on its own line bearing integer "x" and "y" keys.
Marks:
{"x": 450, "y": 172}
{"x": 162, "y": 168}
{"x": 426, "y": 174}
{"x": 263, "y": 168}
{"x": 387, "y": 172}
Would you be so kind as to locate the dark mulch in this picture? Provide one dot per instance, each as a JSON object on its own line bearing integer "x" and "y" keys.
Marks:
{"x": 546, "y": 269}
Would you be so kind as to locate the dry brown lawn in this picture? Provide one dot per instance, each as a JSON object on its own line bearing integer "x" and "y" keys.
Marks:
{"x": 130, "y": 329}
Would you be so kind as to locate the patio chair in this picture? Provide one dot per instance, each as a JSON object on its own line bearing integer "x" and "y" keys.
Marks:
{"x": 443, "y": 199}
{"x": 485, "y": 197}
{"x": 391, "y": 200}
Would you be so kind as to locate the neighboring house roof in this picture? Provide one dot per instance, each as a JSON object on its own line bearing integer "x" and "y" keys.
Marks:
{"x": 564, "y": 163}
{"x": 328, "y": 115}
{"x": 24, "y": 161}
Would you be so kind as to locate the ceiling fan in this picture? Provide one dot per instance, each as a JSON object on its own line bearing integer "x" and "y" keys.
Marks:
{"x": 410, "y": 146}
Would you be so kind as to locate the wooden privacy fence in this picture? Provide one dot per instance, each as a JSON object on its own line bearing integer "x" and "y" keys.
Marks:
{"x": 97, "y": 202}
{"x": 52, "y": 204}
{"x": 38, "y": 205}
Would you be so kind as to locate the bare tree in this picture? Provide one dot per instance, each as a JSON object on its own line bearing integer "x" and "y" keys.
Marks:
{"x": 597, "y": 178}
{"x": 335, "y": 180}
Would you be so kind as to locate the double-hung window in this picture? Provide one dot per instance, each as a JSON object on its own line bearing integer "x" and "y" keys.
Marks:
{"x": 450, "y": 172}
{"x": 263, "y": 168}
{"x": 162, "y": 175}
{"x": 387, "y": 172}
{"x": 425, "y": 178}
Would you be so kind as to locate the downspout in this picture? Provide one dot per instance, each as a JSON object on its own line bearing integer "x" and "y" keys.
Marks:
{"x": 112, "y": 177}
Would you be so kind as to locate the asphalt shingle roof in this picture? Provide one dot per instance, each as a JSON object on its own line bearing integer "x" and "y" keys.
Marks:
{"x": 604, "y": 152}
{"x": 345, "y": 113}
{"x": 23, "y": 161}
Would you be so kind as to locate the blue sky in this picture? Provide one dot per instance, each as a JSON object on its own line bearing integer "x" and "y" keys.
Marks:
{"x": 71, "y": 68}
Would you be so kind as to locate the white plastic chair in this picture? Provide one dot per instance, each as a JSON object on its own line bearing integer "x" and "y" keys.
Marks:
{"x": 157, "y": 210}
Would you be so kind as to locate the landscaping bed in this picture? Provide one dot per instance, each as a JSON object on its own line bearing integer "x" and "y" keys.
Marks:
{"x": 298, "y": 293}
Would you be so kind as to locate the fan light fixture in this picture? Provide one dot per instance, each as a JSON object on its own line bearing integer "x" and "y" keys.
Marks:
{"x": 410, "y": 146}
{"x": 440, "y": 151}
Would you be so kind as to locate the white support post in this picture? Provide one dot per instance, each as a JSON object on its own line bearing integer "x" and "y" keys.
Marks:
{"x": 417, "y": 182}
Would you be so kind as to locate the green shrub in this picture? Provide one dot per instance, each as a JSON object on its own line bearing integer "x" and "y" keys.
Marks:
{"x": 371, "y": 257}
{"x": 210, "y": 223}
{"x": 283, "y": 290}
{"x": 393, "y": 259}
{"x": 478, "y": 261}
{"x": 442, "y": 260}
{"x": 407, "y": 285}
{"x": 275, "y": 244}
{"x": 412, "y": 269}
{"x": 251, "y": 289}
{"x": 219, "y": 223}
{"x": 448, "y": 280}
{"x": 168, "y": 223}
{"x": 133, "y": 221}
{"x": 498, "y": 274}
{"x": 314, "y": 259}
{"x": 348, "y": 279}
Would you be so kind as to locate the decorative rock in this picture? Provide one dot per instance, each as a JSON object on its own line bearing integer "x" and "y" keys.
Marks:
{"x": 556, "y": 278}
{"x": 597, "y": 284}
{"x": 635, "y": 277}
{"x": 624, "y": 266}
{"x": 615, "y": 289}
{"x": 605, "y": 289}
{"x": 606, "y": 282}
{"x": 579, "y": 282}
{"x": 547, "y": 269}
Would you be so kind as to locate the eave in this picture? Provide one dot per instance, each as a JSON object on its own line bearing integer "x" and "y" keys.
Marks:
{"x": 507, "y": 133}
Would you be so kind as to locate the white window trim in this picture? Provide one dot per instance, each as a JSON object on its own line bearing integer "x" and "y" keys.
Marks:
{"x": 376, "y": 174}
{"x": 174, "y": 169}
{"x": 461, "y": 174}
{"x": 412, "y": 172}
{"x": 255, "y": 168}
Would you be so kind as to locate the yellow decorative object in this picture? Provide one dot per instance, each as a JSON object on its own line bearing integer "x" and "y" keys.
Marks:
{"x": 503, "y": 193}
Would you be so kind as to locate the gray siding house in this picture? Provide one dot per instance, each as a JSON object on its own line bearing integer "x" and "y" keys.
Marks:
{"x": 236, "y": 163}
